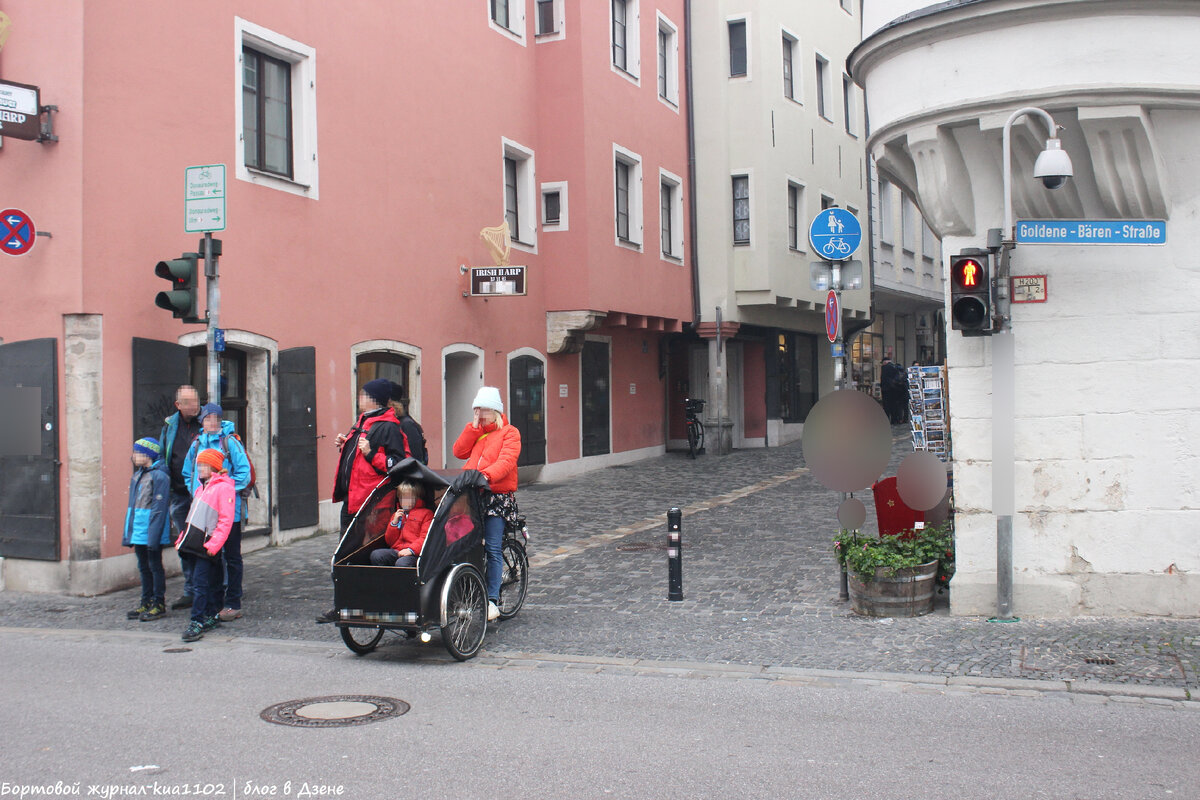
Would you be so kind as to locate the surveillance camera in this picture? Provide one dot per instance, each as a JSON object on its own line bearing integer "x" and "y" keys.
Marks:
{"x": 1053, "y": 165}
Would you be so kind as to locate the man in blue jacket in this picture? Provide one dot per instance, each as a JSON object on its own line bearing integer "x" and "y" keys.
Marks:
{"x": 218, "y": 434}
{"x": 178, "y": 432}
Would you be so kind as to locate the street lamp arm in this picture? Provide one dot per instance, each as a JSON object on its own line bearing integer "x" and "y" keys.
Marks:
{"x": 1052, "y": 129}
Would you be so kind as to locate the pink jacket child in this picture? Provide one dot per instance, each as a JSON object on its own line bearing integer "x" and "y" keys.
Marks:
{"x": 212, "y": 511}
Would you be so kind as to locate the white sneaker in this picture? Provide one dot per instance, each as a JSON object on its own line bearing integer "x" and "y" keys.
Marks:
{"x": 493, "y": 612}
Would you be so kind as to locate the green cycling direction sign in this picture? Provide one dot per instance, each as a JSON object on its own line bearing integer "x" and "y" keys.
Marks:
{"x": 204, "y": 198}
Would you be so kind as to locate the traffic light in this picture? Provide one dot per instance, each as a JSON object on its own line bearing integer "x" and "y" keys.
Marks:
{"x": 180, "y": 299}
{"x": 971, "y": 293}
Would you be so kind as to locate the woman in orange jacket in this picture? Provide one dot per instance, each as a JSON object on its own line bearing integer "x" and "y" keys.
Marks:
{"x": 491, "y": 445}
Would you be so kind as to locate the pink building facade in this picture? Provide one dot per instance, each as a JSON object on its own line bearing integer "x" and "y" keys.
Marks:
{"x": 363, "y": 155}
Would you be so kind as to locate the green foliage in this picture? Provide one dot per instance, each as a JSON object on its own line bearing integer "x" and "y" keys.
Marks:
{"x": 862, "y": 555}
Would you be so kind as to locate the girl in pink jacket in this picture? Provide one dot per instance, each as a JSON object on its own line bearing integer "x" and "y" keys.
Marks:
{"x": 210, "y": 520}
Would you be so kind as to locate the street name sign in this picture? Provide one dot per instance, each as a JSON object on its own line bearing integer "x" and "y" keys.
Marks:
{"x": 833, "y": 316}
{"x": 835, "y": 234}
{"x": 495, "y": 281}
{"x": 1092, "y": 231}
{"x": 204, "y": 198}
{"x": 17, "y": 232}
{"x": 19, "y": 114}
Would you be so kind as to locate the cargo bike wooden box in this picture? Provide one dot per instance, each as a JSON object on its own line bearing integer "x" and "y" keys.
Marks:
{"x": 446, "y": 590}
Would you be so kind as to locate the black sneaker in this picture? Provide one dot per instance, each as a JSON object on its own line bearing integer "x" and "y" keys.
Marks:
{"x": 153, "y": 612}
{"x": 183, "y": 602}
{"x": 332, "y": 615}
{"x": 142, "y": 608}
{"x": 211, "y": 623}
{"x": 193, "y": 633}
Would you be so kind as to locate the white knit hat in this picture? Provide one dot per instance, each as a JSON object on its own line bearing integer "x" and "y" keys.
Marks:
{"x": 488, "y": 397}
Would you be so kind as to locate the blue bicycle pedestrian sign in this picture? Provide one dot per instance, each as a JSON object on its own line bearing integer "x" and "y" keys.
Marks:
{"x": 835, "y": 234}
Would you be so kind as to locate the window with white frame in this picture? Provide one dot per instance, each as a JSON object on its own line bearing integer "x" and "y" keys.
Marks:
{"x": 789, "y": 66}
{"x": 545, "y": 17}
{"x": 554, "y": 206}
{"x": 508, "y": 17}
{"x": 795, "y": 211}
{"x": 668, "y": 61}
{"x": 276, "y": 110}
{"x": 520, "y": 197}
{"x": 741, "y": 209}
{"x": 670, "y": 214}
{"x": 848, "y": 103}
{"x": 739, "y": 59}
{"x": 823, "y": 87}
{"x": 928, "y": 241}
{"x": 887, "y": 200}
{"x": 624, "y": 15}
{"x": 627, "y": 191}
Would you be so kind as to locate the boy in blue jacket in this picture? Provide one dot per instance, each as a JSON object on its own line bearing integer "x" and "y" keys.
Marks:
{"x": 218, "y": 434}
{"x": 148, "y": 526}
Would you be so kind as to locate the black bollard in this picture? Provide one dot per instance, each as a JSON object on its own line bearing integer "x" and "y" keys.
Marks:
{"x": 674, "y": 556}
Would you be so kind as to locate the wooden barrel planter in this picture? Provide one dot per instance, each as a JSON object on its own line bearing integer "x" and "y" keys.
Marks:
{"x": 907, "y": 593}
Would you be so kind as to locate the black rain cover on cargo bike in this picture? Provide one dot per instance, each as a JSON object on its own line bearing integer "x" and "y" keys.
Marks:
{"x": 457, "y": 526}
{"x": 372, "y": 519}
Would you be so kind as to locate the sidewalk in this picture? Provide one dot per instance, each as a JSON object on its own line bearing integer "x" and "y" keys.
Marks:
{"x": 759, "y": 580}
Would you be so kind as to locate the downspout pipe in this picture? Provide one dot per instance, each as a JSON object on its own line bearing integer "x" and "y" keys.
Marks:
{"x": 693, "y": 246}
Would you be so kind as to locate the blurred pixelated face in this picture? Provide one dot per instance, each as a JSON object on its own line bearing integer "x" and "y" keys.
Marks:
{"x": 211, "y": 424}
{"x": 486, "y": 416}
{"x": 140, "y": 459}
{"x": 407, "y": 500}
{"x": 188, "y": 402}
{"x": 204, "y": 471}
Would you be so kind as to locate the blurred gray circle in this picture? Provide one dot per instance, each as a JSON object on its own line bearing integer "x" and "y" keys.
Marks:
{"x": 852, "y": 514}
{"x": 921, "y": 480}
{"x": 847, "y": 440}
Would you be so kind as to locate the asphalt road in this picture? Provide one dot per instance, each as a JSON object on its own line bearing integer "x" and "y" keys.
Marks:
{"x": 122, "y": 713}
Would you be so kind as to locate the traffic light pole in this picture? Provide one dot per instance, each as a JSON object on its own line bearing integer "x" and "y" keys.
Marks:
{"x": 213, "y": 303}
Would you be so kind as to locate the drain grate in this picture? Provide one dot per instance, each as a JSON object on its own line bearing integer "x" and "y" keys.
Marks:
{"x": 336, "y": 711}
{"x": 1103, "y": 660}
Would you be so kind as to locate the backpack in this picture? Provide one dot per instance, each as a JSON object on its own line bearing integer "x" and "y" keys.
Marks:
{"x": 250, "y": 487}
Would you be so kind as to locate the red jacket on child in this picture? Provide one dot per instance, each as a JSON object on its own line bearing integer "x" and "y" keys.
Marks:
{"x": 412, "y": 530}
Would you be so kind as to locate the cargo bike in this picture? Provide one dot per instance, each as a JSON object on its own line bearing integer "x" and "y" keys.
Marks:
{"x": 446, "y": 590}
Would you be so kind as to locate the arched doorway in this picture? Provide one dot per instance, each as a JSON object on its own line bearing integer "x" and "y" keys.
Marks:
{"x": 527, "y": 406}
{"x": 462, "y": 375}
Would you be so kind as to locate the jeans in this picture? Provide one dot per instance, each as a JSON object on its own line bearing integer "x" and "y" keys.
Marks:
{"x": 180, "y": 503}
{"x": 493, "y": 536}
{"x": 206, "y": 602}
{"x": 154, "y": 580}
{"x": 230, "y": 593}
{"x": 386, "y": 557}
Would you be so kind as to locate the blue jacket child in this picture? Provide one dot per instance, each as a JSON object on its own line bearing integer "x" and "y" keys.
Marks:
{"x": 217, "y": 434}
{"x": 148, "y": 525}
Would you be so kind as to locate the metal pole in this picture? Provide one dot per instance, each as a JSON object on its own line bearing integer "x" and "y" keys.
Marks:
{"x": 835, "y": 280}
{"x": 213, "y": 316}
{"x": 674, "y": 556}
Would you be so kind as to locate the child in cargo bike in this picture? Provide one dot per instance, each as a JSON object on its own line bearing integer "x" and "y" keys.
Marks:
{"x": 406, "y": 531}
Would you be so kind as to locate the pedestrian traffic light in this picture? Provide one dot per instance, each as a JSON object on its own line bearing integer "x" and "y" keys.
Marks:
{"x": 971, "y": 293}
{"x": 180, "y": 299}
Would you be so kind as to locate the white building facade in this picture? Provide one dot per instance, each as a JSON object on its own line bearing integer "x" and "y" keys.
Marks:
{"x": 779, "y": 136}
{"x": 1107, "y": 407}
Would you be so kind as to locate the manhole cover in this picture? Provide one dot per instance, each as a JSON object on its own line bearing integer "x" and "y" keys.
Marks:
{"x": 338, "y": 711}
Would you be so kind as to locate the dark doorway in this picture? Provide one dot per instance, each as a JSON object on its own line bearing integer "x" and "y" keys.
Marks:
{"x": 234, "y": 399}
{"x": 594, "y": 367}
{"x": 797, "y": 354}
{"x": 297, "y": 438}
{"x": 527, "y": 398}
{"x": 159, "y": 369}
{"x": 29, "y": 521}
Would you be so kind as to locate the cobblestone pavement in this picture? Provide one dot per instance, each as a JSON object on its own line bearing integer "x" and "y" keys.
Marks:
{"x": 759, "y": 580}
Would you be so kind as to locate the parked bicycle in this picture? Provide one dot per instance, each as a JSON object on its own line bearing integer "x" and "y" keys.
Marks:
{"x": 695, "y": 428}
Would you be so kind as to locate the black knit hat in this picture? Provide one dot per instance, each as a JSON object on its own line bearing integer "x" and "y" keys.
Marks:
{"x": 380, "y": 390}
